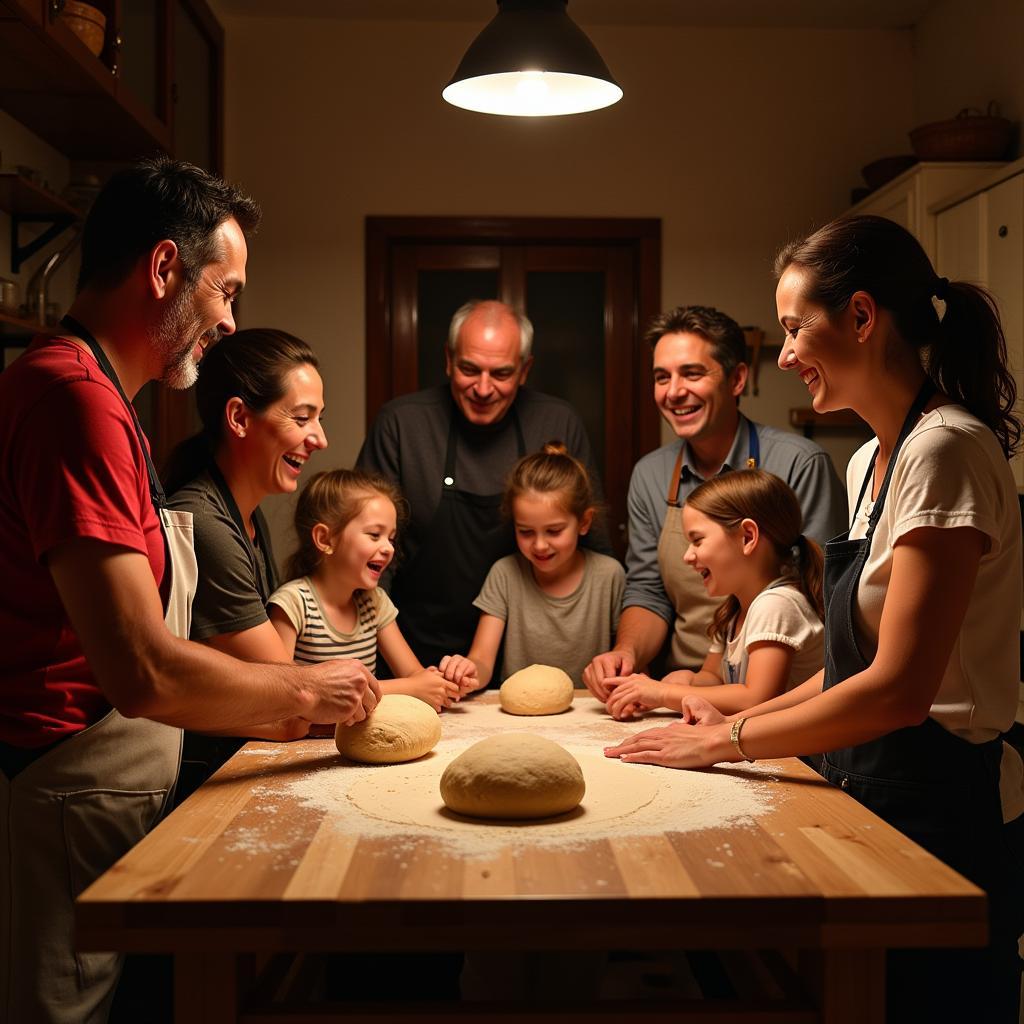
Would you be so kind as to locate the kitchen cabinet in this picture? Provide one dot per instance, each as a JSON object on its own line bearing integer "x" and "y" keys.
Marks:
{"x": 123, "y": 104}
{"x": 980, "y": 238}
{"x": 908, "y": 198}
{"x": 157, "y": 86}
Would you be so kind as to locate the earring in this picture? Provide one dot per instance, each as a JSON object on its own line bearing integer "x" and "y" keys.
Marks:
{"x": 241, "y": 433}
{"x": 328, "y": 551}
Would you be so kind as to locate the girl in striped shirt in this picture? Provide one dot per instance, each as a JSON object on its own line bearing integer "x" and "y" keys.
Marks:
{"x": 332, "y": 607}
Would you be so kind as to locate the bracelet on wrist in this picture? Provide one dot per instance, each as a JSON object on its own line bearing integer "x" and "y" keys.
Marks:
{"x": 734, "y": 737}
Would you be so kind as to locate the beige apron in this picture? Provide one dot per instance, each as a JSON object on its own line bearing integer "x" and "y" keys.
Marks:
{"x": 68, "y": 817}
{"x": 684, "y": 587}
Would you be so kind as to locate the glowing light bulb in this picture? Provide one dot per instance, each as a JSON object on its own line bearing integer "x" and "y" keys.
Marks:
{"x": 532, "y": 89}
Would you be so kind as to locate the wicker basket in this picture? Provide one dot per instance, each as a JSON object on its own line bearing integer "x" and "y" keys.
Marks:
{"x": 88, "y": 23}
{"x": 968, "y": 136}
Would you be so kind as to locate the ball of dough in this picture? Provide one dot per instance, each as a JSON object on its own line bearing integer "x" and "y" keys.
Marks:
{"x": 400, "y": 728}
{"x": 513, "y": 775}
{"x": 537, "y": 690}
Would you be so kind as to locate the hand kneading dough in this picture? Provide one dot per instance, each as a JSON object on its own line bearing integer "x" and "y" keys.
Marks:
{"x": 537, "y": 690}
{"x": 513, "y": 775}
{"x": 400, "y": 728}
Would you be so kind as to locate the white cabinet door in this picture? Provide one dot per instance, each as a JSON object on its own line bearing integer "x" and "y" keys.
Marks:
{"x": 1004, "y": 259}
{"x": 960, "y": 241}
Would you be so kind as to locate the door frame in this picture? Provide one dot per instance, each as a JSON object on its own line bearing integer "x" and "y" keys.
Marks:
{"x": 639, "y": 238}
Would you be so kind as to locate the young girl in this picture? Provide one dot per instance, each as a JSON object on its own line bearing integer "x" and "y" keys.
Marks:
{"x": 553, "y": 603}
{"x": 745, "y": 539}
{"x": 332, "y": 608}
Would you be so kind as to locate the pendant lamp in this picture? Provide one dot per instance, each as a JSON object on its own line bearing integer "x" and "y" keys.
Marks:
{"x": 532, "y": 60}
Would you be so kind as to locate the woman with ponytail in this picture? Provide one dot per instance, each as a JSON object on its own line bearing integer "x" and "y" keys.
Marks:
{"x": 745, "y": 540}
{"x": 259, "y": 397}
{"x": 922, "y": 595}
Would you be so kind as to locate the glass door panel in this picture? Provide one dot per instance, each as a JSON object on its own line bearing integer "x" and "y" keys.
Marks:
{"x": 567, "y": 308}
{"x": 439, "y": 293}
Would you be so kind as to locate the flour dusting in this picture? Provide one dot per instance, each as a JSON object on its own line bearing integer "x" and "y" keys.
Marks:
{"x": 623, "y": 801}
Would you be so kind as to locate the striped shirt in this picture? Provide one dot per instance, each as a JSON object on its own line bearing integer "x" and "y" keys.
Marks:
{"x": 317, "y": 639}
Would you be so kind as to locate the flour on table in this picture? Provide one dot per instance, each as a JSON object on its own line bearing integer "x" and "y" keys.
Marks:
{"x": 403, "y": 802}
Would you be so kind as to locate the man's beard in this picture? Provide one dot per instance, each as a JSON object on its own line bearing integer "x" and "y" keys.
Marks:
{"x": 181, "y": 322}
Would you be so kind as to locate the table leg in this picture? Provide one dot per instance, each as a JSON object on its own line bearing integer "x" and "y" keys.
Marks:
{"x": 206, "y": 987}
{"x": 848, "y": 984}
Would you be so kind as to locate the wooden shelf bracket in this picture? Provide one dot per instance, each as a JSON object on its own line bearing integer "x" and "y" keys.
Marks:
{"x": 19, "y": 253}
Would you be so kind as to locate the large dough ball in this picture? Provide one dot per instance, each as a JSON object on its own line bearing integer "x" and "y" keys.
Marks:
{"x": 513, "y": 775}
{"x": 400, "y": 728}
{"x": 537, "y": 690}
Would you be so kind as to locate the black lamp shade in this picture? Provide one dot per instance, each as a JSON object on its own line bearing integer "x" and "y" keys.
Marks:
{"x": 532, "y": 60}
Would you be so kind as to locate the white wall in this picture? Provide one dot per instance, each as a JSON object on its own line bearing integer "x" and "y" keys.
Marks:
{"x": 736, "y": 138}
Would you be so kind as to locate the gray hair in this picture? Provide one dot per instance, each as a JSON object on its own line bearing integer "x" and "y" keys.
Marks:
{"x": 463, "y": 312}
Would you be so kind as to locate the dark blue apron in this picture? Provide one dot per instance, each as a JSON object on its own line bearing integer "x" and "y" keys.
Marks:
{"x": 435, "y": 592}
{"x": 940, "y": 790}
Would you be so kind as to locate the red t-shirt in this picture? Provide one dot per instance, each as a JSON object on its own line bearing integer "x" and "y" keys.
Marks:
{"x": 70, "y": 466}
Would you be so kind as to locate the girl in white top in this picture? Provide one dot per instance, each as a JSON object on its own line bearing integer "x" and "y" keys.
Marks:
{"x": 552, "y": 602}
{"x": 744, "y": 530}
{"x": 332, "y": 608}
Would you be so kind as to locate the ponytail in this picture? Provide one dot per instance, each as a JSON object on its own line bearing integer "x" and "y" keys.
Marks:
{"x": 968, "y": 361}
{"x": 964, "y": 353}
{"x": 810, "y": 573}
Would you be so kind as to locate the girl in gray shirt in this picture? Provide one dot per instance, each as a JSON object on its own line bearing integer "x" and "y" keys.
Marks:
{"x": 552, "y": 602}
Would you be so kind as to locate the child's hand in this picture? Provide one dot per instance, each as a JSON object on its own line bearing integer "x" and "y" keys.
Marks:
{"x": 461, "y": 671}
{"x": 633, "y": 695}
{"x": 698, "y": 711}
{"x": 432, "y": 687}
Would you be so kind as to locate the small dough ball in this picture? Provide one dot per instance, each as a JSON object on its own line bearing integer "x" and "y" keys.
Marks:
{"x": 513, "y": 775}
{"x": 537, "y": 690}
{"x": 400, "y": 728}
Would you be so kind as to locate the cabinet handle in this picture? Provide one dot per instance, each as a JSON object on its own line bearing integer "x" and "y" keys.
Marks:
{"x": 1003, "y": 231}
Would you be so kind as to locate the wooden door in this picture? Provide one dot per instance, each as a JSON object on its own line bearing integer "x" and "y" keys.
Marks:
{"x": 589, "y": 286}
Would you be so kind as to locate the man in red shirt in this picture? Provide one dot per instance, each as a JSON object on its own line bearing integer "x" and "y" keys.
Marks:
{"x": 96, "y": 579}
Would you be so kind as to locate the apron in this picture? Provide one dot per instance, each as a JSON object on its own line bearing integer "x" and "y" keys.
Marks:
{"x": 436, "y": 590}
{"x": 263, "y": 569}
{"x": 78, "y": 808}
{"x": 202, "y": 755}
{"x": 940, "y": 790}
{"x": 684, "y": 587}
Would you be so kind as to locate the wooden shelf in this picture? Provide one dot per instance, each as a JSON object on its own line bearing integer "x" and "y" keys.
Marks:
{"x": 54, "y": 86}
{"x": 807, "y": 420}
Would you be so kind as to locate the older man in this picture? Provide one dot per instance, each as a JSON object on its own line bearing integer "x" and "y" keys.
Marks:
{"x": 96, "y": 579}
{"x": 699, "y": 374}
{"x": 450, "y": 448}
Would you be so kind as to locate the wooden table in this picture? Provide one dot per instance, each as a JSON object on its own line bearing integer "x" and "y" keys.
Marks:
{"x": 824, "y": 889}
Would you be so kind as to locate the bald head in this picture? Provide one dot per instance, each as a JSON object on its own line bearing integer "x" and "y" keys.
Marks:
{"x": 485, "y": 361}
{"x": 493, "y": 314}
